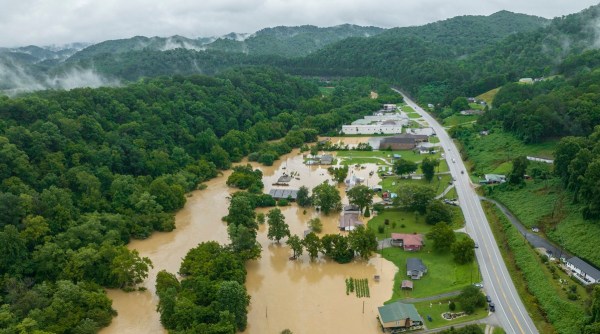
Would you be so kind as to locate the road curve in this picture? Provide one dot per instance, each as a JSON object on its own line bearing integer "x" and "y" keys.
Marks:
{"x": 497, "y": 282}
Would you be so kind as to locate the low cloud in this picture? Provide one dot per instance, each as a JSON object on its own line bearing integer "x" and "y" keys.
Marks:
{"x": 16, "y": 79}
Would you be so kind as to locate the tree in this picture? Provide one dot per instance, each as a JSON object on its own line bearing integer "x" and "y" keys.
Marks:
{"x": 363, "y": 241}
{"x": 403, "y": 166}
{"x": 243, "y": 241}
{"x": 428, "y": 166}
{"x": 326, "y": 197}
{"x": 232, "y": 297}
{"x": 442, "y": 236}
{"x": 295, "y": 244}
{"x": 303, "y": 198}
{"x": 360, "y": 195}
{"x": 471, "y": 298}
{"x": 260, "y": 218}
{"x": 337, "y": 247}
{"x": 315, "y": 225}
{"x": 129, "y": 268}
{"x": 463, "y": 250}
{"x": 459, "y": 104}
{"x": 278, "y": 229}
{"x": 414, "y": 197}
{"x": 241, "y": 212}
{"x": 438, "y": 212}
{"x": 339, "y": 174}
{"x": 517, "y": 175}
{"x": 312, "y": 244}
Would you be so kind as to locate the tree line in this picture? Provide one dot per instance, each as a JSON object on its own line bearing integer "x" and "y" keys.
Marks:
{"x": 86, "y": 170}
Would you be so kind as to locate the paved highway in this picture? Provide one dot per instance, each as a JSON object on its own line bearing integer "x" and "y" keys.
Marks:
{"x": 510, "y": 311}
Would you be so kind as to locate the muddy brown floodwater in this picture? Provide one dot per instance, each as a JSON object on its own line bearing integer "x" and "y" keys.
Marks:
{"x": 304, "y": 296}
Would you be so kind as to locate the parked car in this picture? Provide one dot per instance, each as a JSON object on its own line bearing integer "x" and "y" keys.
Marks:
{"x": 476, "y": 245}
{"x": 492, "y": 307}
{"x": 488, "y": 298}
{"x": 535, "y": 229}
{"x": 479, "y": 285}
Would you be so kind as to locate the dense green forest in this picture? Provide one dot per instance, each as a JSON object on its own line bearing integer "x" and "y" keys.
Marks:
{"x": 85, "y": 170}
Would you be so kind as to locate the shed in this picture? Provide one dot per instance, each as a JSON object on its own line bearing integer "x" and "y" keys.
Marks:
{"x": 407, "y": 284}
{"x": 349, "y": 221}
{"x": 399, "y": 315}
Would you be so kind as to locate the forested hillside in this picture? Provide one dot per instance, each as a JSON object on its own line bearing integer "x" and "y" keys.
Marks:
{"x": 468, "y": 59}
{"x": 83, "y": 171}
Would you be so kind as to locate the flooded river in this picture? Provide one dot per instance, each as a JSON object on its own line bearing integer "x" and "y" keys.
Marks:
{"x": 302, "y": 296}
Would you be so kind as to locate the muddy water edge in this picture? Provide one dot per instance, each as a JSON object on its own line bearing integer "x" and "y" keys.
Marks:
{"x": 304, "y": 296}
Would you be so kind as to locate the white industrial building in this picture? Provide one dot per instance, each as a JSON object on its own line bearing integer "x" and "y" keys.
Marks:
{"x": 379, "y": 123}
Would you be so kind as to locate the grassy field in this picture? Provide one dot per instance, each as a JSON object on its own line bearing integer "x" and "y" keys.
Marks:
{"x": 407, "y": 108}
{"x": 488, "y": 96}
{"x": 435, "y": 309}
{"x": 493, "y": 152}
{"x": 413, "y": 114}
{"x": 443, "y": 275}
{"x": 439, "y": 183}
{"x": 455, "y": 120}
{"x": 413, "y": 223}
{"x": 406, "y": 154}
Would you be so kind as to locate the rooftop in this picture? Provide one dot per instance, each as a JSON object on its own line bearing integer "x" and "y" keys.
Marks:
{"x": 398, "y": 311}
{"x": 284, "y": 193}
{"x": 413, "y": 263}
{"x": 409, "y": 239}
{"x": 585, "y": 267}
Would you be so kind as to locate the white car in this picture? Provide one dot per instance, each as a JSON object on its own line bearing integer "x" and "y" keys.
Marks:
{"x": 453, "y": 161}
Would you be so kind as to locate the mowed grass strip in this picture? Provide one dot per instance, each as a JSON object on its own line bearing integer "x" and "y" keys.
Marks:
{"x": 435, "y": 308}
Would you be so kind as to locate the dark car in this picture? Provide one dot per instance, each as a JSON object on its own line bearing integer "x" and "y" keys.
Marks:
{"x": 488, "y": 298}
{"x": 492, "y": 307}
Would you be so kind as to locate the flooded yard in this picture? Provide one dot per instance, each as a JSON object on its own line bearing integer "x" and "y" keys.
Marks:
{"x": 304, "y": 296}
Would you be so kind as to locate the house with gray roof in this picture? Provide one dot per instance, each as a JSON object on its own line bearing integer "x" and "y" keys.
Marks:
{"x": 583, "y": 271}
{"x": 278, "y": 194}
{"x": 415, "y": 268}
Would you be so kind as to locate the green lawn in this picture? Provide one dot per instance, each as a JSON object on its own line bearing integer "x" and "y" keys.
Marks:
{"x": 413, "y": 114}
{"x": 488, "y": 96}
{"x": 488, "y": 153}
{"x": 434, "y": 139}
{"x": 435, "y": 309}
{"x": 405, "y": 154}
{"x": 455, "y": 120}
{"x": 443, "y": 275}
{"x": 413, "y": 223}
{"x": 360, "y": 160}
{"x": 439, "y": 183}
{"x": 407, "y": 109}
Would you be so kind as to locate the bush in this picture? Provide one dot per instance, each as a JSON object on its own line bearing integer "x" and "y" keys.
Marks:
{"x": 380, "y": 229}
{"x": 452, "y": 306}
{"x": 283, "y": 202}
{"x": 315, "y": 225}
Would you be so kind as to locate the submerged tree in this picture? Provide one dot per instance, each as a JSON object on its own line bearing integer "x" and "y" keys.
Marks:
{"x": 278, "y": 229}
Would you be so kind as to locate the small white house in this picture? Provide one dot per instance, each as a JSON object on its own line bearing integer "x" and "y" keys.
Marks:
{"x": 583, "y": 271}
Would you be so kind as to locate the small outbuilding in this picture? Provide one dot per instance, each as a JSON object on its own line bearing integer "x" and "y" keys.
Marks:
{"x": 399, "y": 316}
{"x": 407, "y": 284}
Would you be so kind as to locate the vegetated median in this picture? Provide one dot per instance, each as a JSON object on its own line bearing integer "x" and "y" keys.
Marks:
{"x": 533, "y": 280}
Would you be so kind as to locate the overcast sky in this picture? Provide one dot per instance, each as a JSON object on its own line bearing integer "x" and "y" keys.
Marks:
{"x": 45, "y": 22}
